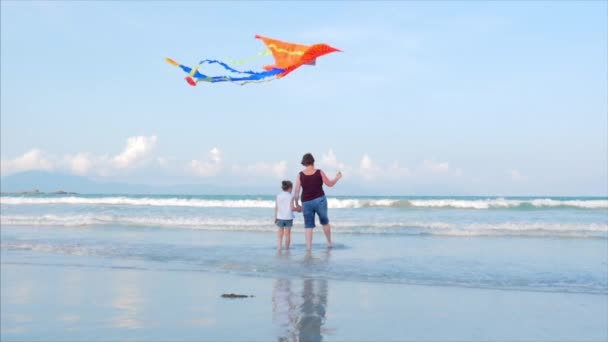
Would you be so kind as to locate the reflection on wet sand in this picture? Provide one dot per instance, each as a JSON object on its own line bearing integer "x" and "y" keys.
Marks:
{"x": 300, "y": 315}
{"x": 21, "y": 293}
{"x": 284, "y": 310}
{"x": 128, "y": 301}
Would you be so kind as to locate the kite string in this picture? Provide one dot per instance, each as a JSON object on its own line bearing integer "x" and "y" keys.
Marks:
{"x": 226, "y": 66}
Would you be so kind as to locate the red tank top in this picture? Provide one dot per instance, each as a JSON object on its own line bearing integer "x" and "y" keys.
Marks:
{"x": 312, "y": 186}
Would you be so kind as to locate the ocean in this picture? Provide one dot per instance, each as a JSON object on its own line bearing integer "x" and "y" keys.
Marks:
{"x": 539, "y": 244}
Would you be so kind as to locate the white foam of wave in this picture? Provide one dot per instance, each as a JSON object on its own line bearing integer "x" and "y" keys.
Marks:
{"x": 48, "y": 248}
{"x": 53, "y": 220}
{"x": 192, "y": 222}
{"x": 466, "y": 204}
{"x": 348, "y": 227}
{"x": 89, "y": 220}
{"x": 143, "y": 201}
{"x": 183, "y": 202}
{"x": 534, "y": 229}
{"x": 499, "y": 203}
{"x": 588, "y": 204}
{"x": 335, "y": 203}
{"x": 360, "y": 203}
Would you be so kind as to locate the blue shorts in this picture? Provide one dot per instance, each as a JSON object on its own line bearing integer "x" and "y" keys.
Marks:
{"x": 316, "y": 206}
{"x": 285, "y": 223}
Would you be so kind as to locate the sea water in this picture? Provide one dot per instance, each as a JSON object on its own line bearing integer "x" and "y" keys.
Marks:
{"x": 546, "y": 244}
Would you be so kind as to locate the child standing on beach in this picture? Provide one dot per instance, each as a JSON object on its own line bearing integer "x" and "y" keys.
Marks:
{"x": 283, "y": 214}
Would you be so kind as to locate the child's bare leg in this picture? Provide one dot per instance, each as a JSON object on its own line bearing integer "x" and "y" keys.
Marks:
{"x": 308, "y": 234}
{"x": 327, "y": 231}
{"x": 287, "y": 238}
{"x": 280, "y": 240}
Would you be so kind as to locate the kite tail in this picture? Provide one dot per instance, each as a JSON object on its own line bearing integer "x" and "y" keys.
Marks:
{"x": 226, "y": 66}
{"x": 269, "y": 79}
{"x": 194, "y": 76}
{"x": 256, "y": 77}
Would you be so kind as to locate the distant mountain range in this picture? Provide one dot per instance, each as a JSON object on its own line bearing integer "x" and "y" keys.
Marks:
{"x": 49, "y": 182}
{"x": 44, "y": 181}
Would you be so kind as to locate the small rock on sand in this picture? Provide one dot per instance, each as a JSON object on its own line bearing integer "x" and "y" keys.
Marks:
{"x": 234, "y": 295}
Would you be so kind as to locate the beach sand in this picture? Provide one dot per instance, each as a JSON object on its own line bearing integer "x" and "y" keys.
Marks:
{"x": 66, "y": 300}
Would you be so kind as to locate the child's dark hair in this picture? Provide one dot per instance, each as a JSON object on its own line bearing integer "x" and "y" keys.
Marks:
{"x": 308, "y": 159}
{"x": 286, "y": 185}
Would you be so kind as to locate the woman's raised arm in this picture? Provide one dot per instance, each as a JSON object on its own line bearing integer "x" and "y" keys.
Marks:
{"x": 330, "y": 182}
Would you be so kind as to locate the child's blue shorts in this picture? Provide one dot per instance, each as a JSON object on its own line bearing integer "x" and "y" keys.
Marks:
{"x": 285, "y": 223}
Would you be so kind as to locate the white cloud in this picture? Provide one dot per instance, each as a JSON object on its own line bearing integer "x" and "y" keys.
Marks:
{"x": 31, "y": 160}
{"x": 138, "y": 149}
{"x": 367, "y": 168}
{"x": 210, "y": 167}
{"x": 138, "y": 152}
{"x": 366, "y": 163}
{"x": 371, "y": 171}
{"x": 162, "y": 162}
{"x": 79, "y": 163}
{"x": 277, "y": 170}
{"x": 516, "y": 176}
{"x": 216, "y": 156}
{"x": 395, "y": 170}
{"x": 329, "y": 161}
{"x": 436, "y": 166}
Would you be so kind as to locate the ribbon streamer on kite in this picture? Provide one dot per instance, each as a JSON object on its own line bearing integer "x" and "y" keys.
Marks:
{"x": 287, "y": 56}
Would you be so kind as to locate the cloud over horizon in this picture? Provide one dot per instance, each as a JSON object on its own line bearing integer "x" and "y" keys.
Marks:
{"x": 136, "y": 154}
{"x": 139, "y": 153}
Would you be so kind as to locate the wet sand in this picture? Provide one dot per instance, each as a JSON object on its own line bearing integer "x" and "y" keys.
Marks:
{"x": 63, "y": 300}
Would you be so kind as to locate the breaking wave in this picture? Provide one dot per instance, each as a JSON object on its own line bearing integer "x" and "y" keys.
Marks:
{"x": 532, "y": 229}
{"x": 335, "y": 203}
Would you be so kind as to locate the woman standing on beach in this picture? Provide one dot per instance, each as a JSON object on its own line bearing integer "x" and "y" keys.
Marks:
{"x": 311, "y": 181}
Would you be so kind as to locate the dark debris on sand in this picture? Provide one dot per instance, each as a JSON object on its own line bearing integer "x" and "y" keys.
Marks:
{"x": 234, "y": 295}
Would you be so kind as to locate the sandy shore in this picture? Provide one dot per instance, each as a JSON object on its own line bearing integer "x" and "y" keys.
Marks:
{"x": 79, "y": 302}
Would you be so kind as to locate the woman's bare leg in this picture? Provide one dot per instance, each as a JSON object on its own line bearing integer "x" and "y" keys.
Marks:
{"x": 327, "y": 231}
{"x": 308, "y": 234}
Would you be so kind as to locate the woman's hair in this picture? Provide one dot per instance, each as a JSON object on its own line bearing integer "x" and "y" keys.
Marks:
{"x": 286, "y": 185}
{"x": 308, "y": 159}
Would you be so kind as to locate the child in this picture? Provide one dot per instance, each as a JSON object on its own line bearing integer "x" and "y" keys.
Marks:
{"x": 283, "y": 214}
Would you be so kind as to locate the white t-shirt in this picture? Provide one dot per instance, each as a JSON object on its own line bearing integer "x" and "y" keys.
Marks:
{"x": 284, "y": 206}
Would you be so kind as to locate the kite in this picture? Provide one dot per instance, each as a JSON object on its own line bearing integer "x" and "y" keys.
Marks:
{"x": 287, "y": 57}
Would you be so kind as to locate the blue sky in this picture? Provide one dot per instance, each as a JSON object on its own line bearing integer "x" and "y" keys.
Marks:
{"x": 504, "y": 98}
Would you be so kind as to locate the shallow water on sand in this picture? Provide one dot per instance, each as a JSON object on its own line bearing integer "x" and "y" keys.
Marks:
{"x": 154, "y": 268}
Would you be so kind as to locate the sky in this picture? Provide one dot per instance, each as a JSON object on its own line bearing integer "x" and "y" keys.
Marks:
{"x": 475, "y": 98}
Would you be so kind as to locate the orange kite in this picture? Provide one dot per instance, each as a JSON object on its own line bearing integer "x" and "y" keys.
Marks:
{"x": 287, "y": 57}
{"x": 290, "y": 56}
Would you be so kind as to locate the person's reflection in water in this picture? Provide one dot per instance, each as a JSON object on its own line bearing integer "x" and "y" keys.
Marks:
{"x": 314, "y": 301}
{"x": 312, "y": 310}
{"x": 302, "y": 318}
{"x": 284, "y": 310}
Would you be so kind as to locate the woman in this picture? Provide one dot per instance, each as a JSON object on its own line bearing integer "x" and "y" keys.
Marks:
{"x": 311, "y": 181}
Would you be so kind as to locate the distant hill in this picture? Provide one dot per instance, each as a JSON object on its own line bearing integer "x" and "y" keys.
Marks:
{"x": 45, "y": 181}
